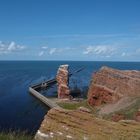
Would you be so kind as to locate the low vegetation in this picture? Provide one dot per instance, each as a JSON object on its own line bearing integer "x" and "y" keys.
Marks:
{"x": 128, "y": 112}
{"x": 15, "y": 136}
{"x": 73, "y": 105}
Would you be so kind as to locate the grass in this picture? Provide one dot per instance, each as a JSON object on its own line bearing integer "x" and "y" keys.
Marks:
{"x": 73, "y": 105}
{"x": 128, "y": 112}
{"x": 15, "y": 136}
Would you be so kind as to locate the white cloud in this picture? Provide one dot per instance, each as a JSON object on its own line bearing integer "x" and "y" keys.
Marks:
{"x": 60, "y": 50}
{"x": 103, "y": 50}
{"x": 48, "y": 50}
{"x": 10, "y": 47}
{"x": 44, "y": 47}
{"x": 135, "y": 53}
{"x": 41, "y": 53}
{"x": 131, "y": 53}
{"x": 52, "y": 51}
{"x": 123, "y": 54}
{"x": 88, "y": 50}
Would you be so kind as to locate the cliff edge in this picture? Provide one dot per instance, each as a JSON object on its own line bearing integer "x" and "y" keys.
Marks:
{"x": 60, "y": 124}
{"x": 110, "y": 91}
{"x": 110, "y": 85}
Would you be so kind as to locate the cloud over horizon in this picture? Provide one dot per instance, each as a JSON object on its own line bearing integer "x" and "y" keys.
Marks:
{"x": 102, "y": 50}
{"x": 110, "y": 51}
{"x": 6, "y": 48}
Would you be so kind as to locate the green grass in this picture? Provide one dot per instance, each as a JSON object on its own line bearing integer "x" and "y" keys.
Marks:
{"x": 15, "y": 136}
{"x": 129, "y": 112}
{"x": 76, "y": 105}
{"x": 73, "y": 105}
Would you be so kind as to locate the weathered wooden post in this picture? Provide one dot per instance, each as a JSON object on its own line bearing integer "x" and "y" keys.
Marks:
{"x": 63, "y": 82}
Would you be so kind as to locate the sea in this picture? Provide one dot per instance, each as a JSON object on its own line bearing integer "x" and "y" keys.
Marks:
{"x": 19, "y": 110}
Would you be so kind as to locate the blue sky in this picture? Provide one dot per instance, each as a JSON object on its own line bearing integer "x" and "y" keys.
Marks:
{"x": 99, "y": 30}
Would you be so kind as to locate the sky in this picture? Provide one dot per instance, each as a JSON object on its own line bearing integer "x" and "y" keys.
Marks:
{"x": 86, "y": 30}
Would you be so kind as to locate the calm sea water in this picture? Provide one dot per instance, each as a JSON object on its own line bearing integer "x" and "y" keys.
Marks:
{"x": 18, "y": 108}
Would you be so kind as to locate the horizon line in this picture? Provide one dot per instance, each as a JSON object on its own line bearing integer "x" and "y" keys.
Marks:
{"x": 75, "y": 60}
